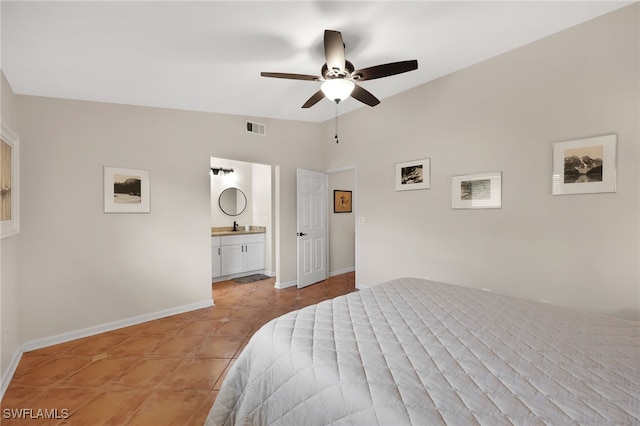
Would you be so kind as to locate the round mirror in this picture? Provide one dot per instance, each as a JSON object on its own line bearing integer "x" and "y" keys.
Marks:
{"x": 232, "y": 201}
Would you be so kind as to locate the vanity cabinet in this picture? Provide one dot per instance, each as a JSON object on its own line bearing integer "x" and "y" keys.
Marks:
{"x": 241, "y": 253}
{"x": 216, "y": 252}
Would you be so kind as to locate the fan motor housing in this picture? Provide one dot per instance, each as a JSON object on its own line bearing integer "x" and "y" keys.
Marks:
{"x": 348, "y": 69}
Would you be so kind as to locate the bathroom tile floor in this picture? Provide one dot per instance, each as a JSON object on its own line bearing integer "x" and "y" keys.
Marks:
{"x": 162, "y": 372}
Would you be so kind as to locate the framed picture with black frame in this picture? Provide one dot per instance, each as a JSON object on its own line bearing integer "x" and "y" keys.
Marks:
{"x": 342, "y": 201}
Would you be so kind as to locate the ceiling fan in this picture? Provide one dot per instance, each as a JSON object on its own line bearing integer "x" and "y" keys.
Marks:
{"x": 339, "y": 76}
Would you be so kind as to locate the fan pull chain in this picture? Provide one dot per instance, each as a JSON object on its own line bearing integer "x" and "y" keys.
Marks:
{"x": 336, "y": 137}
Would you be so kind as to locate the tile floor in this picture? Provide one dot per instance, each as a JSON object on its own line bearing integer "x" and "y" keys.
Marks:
{"x": 162, "y": 372}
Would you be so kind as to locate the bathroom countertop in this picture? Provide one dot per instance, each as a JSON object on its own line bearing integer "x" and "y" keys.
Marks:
{"x": 219, "y": 231}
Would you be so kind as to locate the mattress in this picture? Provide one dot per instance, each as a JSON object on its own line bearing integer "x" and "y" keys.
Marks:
{"x": 418, "y": 352}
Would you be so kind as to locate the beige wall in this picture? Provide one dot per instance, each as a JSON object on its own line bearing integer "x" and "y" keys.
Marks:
{"x": 262, "y": 211}
{"x": 503, "y": 115}
{"x": 80, "y": 267}
{"x": 342, "y": 225}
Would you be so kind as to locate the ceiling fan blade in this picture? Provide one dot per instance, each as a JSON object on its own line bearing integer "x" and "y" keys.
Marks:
{"x": 314, "y": 99}
{"x": 364, "y": 96}
{"x": 334, "y": 50}
{"x": 385, "y": 70}
{"x": 290, "y": 76}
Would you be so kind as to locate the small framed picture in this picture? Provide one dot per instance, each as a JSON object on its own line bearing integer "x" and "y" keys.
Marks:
{"x": 413, "y": 175}
{"x": 341, "y": 201}
{"x": 585, "y": 166}
{"x": 477, "y": 191}
{"x": 126, "y": 190}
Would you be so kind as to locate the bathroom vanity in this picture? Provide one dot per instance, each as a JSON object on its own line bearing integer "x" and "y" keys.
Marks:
{"x": 236, "y": 253}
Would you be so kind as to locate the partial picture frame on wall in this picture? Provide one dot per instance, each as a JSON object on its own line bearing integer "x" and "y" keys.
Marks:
{"x": 585, "y": 166}
{"x": 9, "y": 182}
{"x": 126, "y": 190}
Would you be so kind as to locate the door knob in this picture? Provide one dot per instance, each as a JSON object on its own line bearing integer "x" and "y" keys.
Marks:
{"x": 300, "y": 234}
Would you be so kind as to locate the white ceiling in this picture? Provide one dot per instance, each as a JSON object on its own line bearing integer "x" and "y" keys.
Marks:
{"x": 208, "y": 55}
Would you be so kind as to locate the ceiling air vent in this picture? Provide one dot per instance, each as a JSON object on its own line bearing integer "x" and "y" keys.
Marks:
{"x": 255, "y": 128}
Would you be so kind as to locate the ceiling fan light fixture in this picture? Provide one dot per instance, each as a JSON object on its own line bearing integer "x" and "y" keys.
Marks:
{"x": 337, "y": 89}
{"x": 339, "y": 76}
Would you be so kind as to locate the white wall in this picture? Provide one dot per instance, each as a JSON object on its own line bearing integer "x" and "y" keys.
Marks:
{"x": 9, "y": 284}
{"x": 80, "y": 267}
{"x": 502, "y": 115}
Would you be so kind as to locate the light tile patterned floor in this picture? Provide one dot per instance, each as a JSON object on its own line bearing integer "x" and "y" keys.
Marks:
{"x": 162, "y": 372}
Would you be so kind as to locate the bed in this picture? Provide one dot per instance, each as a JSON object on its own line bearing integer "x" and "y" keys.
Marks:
{"x": 418, "y": 352}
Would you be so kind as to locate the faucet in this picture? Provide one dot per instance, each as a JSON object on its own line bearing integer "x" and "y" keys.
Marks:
{"x": 235, "y": 226}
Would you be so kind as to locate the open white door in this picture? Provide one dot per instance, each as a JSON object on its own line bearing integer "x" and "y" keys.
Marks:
{"x": 312, "y": 227}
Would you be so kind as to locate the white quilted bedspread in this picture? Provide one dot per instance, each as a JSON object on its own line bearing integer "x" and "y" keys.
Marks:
{"x": 418, "y": 352}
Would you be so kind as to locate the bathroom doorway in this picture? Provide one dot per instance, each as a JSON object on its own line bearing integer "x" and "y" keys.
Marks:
{"x": 253, "y": 183}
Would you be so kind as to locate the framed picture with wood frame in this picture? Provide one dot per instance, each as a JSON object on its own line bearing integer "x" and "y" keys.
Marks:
{"x": 342, "y": 201}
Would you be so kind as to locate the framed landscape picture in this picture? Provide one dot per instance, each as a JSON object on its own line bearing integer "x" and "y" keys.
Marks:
{"x": 585, "y": 166}
{"x": 342, "y": 201}
{"x": 126, "y": 190}
{"x": 477, "y": 191}
{"x": 413, "y": 175}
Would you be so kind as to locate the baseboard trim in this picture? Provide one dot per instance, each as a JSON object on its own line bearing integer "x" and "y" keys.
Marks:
{"x": 8, "y": 375}
{"x": 288, "y": 284}
{"x": 97, "y": 329}
{"x": 294, "y": 283}
{"x": 342, "y": 271}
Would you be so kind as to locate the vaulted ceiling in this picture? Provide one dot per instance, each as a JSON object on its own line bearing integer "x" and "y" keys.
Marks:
{"x": 208, "y": 55}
